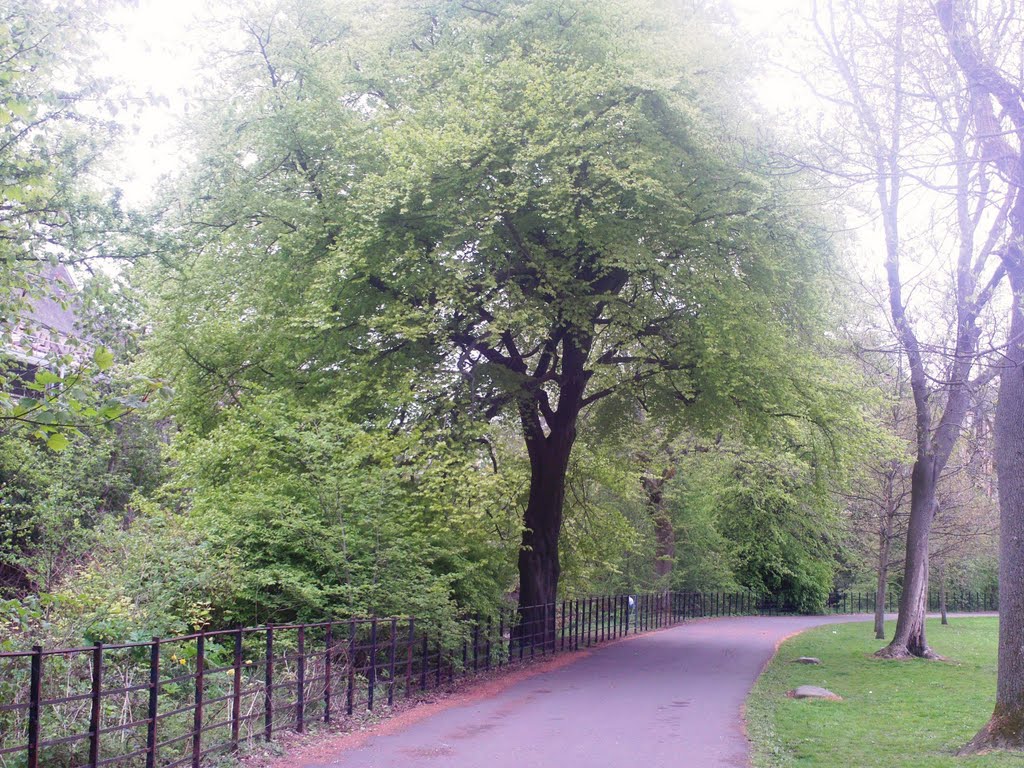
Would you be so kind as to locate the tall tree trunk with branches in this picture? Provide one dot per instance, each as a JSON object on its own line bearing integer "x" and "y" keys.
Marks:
{"x": 891, "y": 94}
{"x": 1002, "y": 142}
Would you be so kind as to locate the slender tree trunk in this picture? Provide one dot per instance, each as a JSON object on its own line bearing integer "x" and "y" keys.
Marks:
{"x": 665, "y": 545}
{"x": 909, "y": 639}
{"x": 1005, "y": 730}
{"x": 942, "y": 592}
{"x": 884, "y": 546}
{"x": 664, "y": 531}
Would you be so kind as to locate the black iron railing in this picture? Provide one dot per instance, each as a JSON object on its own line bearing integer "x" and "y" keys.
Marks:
{"x": 183, "y": 701}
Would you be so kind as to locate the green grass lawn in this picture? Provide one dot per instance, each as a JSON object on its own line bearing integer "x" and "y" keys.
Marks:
{"x": 893, "y": 713}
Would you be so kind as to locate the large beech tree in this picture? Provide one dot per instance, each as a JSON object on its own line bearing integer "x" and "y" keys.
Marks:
{"x": 500, "y": 211}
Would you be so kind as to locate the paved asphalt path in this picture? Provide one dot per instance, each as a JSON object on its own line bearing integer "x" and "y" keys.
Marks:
{"x": 663, "y": 700}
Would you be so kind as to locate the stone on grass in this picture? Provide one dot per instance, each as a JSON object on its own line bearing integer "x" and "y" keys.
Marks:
{"x": 807, "y": 660}
{"x": 814, "y": 692}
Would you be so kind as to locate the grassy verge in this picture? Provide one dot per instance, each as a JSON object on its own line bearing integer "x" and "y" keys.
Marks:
{"x": 912, "y": 714}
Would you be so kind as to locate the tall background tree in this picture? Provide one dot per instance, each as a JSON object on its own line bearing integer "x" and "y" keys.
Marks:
{"x": 985, "y": 42}
{"x": 905, "y": 106}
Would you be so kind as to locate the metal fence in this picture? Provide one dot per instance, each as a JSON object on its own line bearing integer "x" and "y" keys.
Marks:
{"x": 185, "y": 701}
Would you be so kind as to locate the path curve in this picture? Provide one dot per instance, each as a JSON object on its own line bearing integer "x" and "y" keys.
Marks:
{"x": 668, "y": 698}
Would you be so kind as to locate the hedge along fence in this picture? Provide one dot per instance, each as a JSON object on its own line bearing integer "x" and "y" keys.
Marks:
{"x": 185, "y": 701}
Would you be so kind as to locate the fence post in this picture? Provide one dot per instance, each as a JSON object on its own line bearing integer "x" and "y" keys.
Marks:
{"x": 328, "y": 668}
{"x": 593, "y": 624}
{"x": 371, "y": 674}
{"x": 544, "y": 631}
{"x": 350, "y": 693}
{"x": 300, "y": 682}
{"x": 423, "y": 665}
{"x": 236, "y": 692}
{"x": 487, "y": 645}
{"x": 408, "y": 656}
{"x": 437, "y": 673}
{"x": 476, "y": 643}
{"x": 501, "y": 636}
{"x": 35, "y": 692}
{"x": 522, "y": 631}
{"x": 151, "y": 710}
{"x": 197, "y": 715}
{"x": 95, "y": 701}
{"x": 268, "y": 694}
{"x": 392, "y": 653}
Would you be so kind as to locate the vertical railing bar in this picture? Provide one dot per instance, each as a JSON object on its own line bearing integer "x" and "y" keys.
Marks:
{"x": 487, "y": 643}
{"x": 350, "y": 693}
{"x": 437, "y": 672}
{"x": 95, "y": 701}
{"x": 153, "y": 703}
{"x": 236, "y": 692}
{"x": 476, "y": 643}
{"x": 197, "y": 717}
{"x": 268, "y": 694}
{"x": 424, "y": 664}
{"x": 371, "y": 675}
{"x": 328, "y": 668}
{"x": 409, "y": 656}
{"x": 501, "y": 639}
{"x": 544, "y": 630}
{"x": 300, "y": 682}
{"x": 35, "y": 695}
{"x": 391, "y": 661}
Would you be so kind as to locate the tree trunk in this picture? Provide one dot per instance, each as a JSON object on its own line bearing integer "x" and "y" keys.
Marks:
{"x": 909, "y": 639}
{"x": 942, "y": 592}
{"x": 884, "y": 545}
{"x": 664, "y": 531}
{"x": 539, "y": 567}
{"x": 549, "y": 434}
{"x": 1006, "y": 728}
{"x": 665, "y": 551}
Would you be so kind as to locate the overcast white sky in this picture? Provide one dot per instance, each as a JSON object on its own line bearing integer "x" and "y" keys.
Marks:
{"x": 156, "y": 54}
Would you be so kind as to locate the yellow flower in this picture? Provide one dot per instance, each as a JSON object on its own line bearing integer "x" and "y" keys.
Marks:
{"x": 182, "y": 661}
{"x": 231, "y": 673}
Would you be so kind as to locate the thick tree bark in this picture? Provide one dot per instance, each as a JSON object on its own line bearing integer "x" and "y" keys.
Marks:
{"x": 550, "y": 435}
{"x": 539, "y": 567}
{"x": 1005, "y": 730}
{"x": 987, "y": 83}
